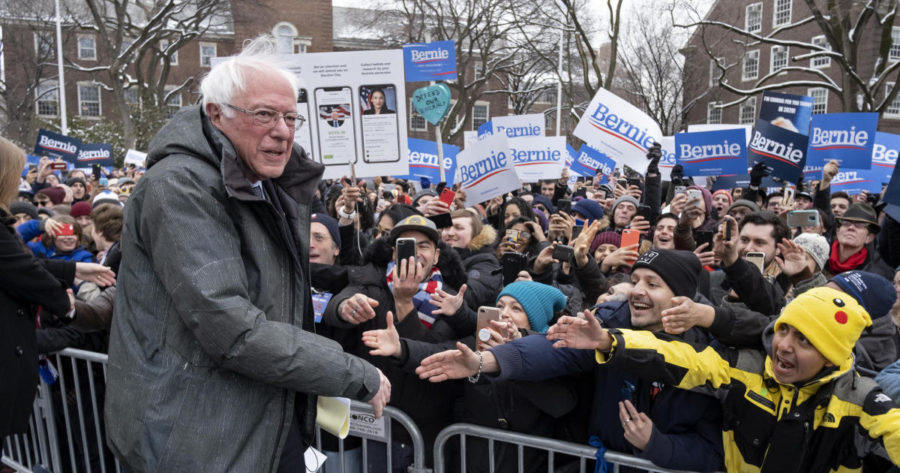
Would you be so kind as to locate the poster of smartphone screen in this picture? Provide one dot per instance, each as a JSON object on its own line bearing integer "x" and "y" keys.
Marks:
{"x": 381, "y": 142}
{"x": 334, "y": 109}
{"x": 303, "y": 136}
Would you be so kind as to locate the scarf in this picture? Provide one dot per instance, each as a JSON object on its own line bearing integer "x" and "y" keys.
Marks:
{"x": 422, "y": 299}
{"x": 835, "y": 266}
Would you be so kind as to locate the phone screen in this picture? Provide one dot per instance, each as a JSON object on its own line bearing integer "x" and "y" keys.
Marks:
{"x": 406, "y": 248}
{"x": 337, "y": 144}
{"x": 303, "y": 136}
{"x": 380, "y": 131}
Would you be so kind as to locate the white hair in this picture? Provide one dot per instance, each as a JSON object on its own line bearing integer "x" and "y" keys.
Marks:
{"x": 227, "y": 77}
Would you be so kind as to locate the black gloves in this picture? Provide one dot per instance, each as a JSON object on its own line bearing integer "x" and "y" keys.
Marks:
{"x": 654, "y": 154}
{"x": 757, "y": 174}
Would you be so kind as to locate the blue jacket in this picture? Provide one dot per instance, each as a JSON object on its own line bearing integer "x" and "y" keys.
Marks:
{"x": 687, "y": 427}
{"x": 78, "y": 255}
{"x": 889, "y": 380}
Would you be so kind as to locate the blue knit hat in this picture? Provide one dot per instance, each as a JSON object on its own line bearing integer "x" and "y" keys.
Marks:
{"x": 540, "y": 301}
{"x": 589, "y": 208}
{"x": 874, "y": 292}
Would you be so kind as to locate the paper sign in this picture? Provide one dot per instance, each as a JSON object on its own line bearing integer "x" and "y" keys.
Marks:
{"x": 135, "y": 157}
{"x": 781, "y": 150}
{"x": 94, "y": 153}
{"x": 711, "y": 153}
{"x": 855, "y": 181}
{"x": 847, "y": 138}
{"x": 486, "y": 170}
{"x": 667, "y": 162}
{"x": 618, "y": 129}
{"x": 429, "y": 61}
{"x": 884, "y": 154}
{"x": 519, "y": 126}
{"x": 788, "y": 111}
{"x": 538, "y": 157}
{"x": 56, "y": 146}
{"x": 432, "y": 102}
{"x": 485, "y": 129}
{"x": 423, "y": 161}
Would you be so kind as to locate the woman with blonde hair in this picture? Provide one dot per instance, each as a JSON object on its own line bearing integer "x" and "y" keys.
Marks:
{"x": 25, "y": 286}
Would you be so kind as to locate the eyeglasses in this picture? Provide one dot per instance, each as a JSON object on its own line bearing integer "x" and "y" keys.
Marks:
{"x": 269, "y": 118}
{"x": 43, "y": 203}
{"x": 856, "y": 225}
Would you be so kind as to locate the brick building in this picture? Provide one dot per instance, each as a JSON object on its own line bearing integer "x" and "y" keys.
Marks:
{"x": 722, "y": 56}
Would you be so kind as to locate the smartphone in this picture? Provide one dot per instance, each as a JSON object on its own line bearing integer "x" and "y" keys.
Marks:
{"x": 679, "y": 190}
{"x": 633, "y": 181}
{"x": 95, "y": 169}
{"x": 512, "y": 263}
{"x": 705, "y": 236}
{"x": 485, "y": 315}
{"x": 337, "y": 137}
{"x": 512, "y": 236}
{"x": 564, "y": 205}
{"x": 576, "y": 230}
{"x": 59, "y": 166}
{"x": 563, "y": 253}
{"x": 447, "y": 196}
{"x": 727, "y": 229}
{"x": 406, "y": 248}
{"x": 694, "y": 194}
{"x": 443, "y": 220}
{"x": 644, "y": 211}
{"x": 757, "y": 258}
{"x": 303, "y": 136}
{"x": 803, "y": 218}
{"x": 66, "y": 229}
{"x": 630, "y": 237}
{"x": 623, "y": 183}
{"x": 788, "y": 197}
{"x": 379, "y": 122}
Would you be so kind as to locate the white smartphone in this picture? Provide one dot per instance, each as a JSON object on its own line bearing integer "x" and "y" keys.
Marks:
{"x": 757, "y": 258}
{"x": 337, "y": 137}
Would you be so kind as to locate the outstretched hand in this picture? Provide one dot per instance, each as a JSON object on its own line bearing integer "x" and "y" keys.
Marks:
{"x": 446, "y": 303}
{"x": 384, "y": 342}
{"x": 580, "y": 333}
{"x": 449, "y": 364}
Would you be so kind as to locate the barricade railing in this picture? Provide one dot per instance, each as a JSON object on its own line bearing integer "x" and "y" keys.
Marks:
{"x": 553, "y": 447}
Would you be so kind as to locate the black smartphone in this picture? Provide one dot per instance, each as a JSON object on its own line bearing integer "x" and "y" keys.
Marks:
{"x": 96, "y": 172}
{"x": 727, "y": 229}
{"x": 512, "y": 263}
{"x": 442, "y": 220}
{"x": 564, "y": 205}
{"x": 705, "y": 236}
{"x": 406, "y": 248}
{"x": 644, "y": 211}
{"x": 633, "y": 181}
{"x": 563, "y": 253}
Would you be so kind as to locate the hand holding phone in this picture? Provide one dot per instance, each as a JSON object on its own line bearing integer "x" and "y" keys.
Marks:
{"x": 65, "y": 229}
{"x": 406, "y": 248}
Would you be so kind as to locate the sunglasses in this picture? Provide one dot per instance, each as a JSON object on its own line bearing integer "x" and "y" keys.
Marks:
{"x": 43, "y": 203}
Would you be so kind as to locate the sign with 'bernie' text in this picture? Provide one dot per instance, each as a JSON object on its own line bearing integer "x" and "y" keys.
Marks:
{"x": 884, "y": 154}
{"x": 538, "y": 157}
{"x": 486, "y": 169}
{"x": 423, "y": 161}
{"x": 847, "y": 138}
{"x": 782, "y": 150}
{"x": 712, "y": 153}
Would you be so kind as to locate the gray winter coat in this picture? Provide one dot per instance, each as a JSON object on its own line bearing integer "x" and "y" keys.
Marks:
{"x": 211, "y": 345}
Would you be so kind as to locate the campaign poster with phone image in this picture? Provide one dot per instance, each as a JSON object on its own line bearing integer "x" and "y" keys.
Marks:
{"x": 381, "y": 142}
{"x": 334, "y": 107}
{"x": 303, "y": 136}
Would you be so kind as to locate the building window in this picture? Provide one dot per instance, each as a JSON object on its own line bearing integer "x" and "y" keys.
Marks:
{"x": 416, "y": 121}
{"x": 779, "y": 58}
{"x": 714, "y": 71}
{"x": 89, "y": 100}
{"x": 747, "y": 113}
{"x": 750, "y": 69}
{"x": 207, "y": 52}
{"x": 782, "y": 14}
{"x": 892, "y": 110}
{"x": 285, "y": 37}
{"x": 820, "y": 100}
{"x": 894, "y": 53}
{"x": 820, "y": 61}
{"x": 47, "y": 98}
{"x": 173, "y": 102}
{"x": 87, "y": 47}
{"x": 480, "y": 114}
{"x": 753, "y": 18}
{"x": 478, "y": 67}
{"x": 44, "y": 46}
{"x": 132, "y": 96}
{"x": 173, "y": 57}
{"x": 714, "y": 113}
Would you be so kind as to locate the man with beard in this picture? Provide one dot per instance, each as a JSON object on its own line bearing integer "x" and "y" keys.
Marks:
{"x": 676, "y": 430}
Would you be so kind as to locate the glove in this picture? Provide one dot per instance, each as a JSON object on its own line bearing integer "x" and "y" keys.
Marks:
{"x": 757, "y": 174}
{"x": 677, "y": 175}
{"x": 654, "y": 154}
{"x": 800, "y": 183}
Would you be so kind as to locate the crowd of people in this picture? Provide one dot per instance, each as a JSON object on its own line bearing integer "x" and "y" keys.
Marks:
{"x": 690, "y": 327}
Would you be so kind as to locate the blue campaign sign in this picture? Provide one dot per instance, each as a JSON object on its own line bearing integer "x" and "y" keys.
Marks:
{"x": 791, "y": 112}
{"x": 845, "y": 137}
{"x": 429, "y": 61}
{"x": 486, "y": 128}
{"x": 94, "y": 153}
{"x": 892, "y": 193}
{"x": 884, "y": 154}
{"x": 855, "y": 181}
{"x": 593, "y": 162}
{"x": 812, "y": 173}
{"x": 423, "y": 161}
{"x": 56, "y": 146}
{"x": 712, "y": 153}
{"x": 783, "y": 151}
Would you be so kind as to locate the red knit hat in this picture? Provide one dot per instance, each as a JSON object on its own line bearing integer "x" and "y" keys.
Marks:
{"x": 80, "y": 209}
{"x": 55, "y": 193}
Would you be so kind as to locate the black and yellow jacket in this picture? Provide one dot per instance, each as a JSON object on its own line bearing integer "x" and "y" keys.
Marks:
{"x": 824, "y": 425}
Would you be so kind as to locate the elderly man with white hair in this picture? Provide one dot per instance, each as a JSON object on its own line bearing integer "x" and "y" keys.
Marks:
{"x": 213, "y": 364}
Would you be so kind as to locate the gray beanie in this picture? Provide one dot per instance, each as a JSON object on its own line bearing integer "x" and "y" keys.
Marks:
{"x": 625, "y": 198}
{"x": 816, "y": 245}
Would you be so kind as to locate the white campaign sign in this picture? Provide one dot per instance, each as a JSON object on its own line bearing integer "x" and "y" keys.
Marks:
{"x": 748, "y": 129}
{"x": 539, "y": 157}
{"x": 135, "y": 157}
{"x": 519, "y": 126}
{"x": 339, "y": 98}
{"x": 618, "y": 129}
{"x": 486, "y": 169}
{"x": 469, "y": 138}
{"x": 667, "y": 162}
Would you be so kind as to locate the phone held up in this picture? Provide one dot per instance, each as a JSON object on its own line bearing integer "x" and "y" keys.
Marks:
{"x": 406, "y": 248}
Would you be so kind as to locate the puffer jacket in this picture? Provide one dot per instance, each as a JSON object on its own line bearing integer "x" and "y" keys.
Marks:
{"x": 826, "y": 424}
{"x": 482, "y": 269}
{"x": 211, "y": 349}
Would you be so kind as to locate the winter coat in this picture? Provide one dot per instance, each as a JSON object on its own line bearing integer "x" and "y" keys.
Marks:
{"x": 687, "y": 426}
{"x": 825, "y": 424}
{"x": 482, "y": 269}
{"x": 872, "y": 264}
{"x": 78, "y": 255}
{"x": 212, "y": 355}
{"x": 25, "y": 285}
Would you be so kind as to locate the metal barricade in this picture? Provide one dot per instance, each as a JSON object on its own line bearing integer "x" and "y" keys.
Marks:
{"x": 553, "y": 448}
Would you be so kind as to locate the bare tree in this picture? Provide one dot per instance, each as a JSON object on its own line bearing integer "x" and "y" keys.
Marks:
{"x": 848, "y": 26}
